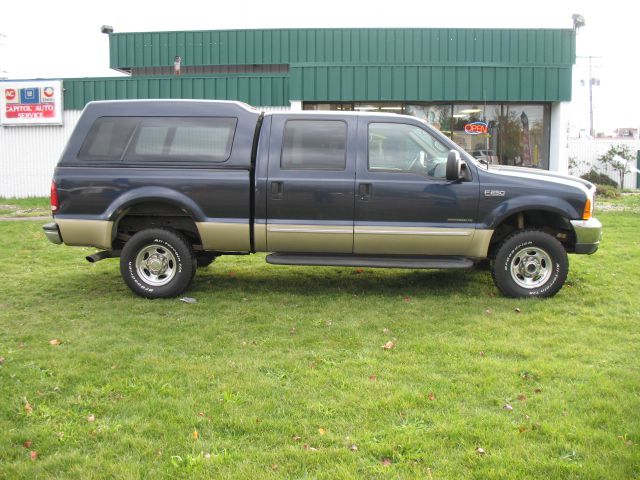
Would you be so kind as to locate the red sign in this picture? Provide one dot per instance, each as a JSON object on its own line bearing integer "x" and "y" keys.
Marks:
{"x": 476, "y": 128}
{"x": 9, "y": 94}
{"x": 31, "y": 110}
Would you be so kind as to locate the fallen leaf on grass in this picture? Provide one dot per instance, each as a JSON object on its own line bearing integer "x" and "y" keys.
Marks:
{"x": 431, "y": 396}
{"x": 1, "y": 360}
{"x": 488, "y": 311}
{"x": 522, "y": 429}
{"x": 188, "y": 300}
{"x": 91, "y": 418}
{"x": 517, "y": 310}
{"x": 385, "y": 330}
{"x": 508, "y": 407}
{"x": 322, "y": 431}
{"x": 480, "y": 451}
{"x": 373, "y": 378}
{"x": 274, "y": 467}
{"x": 27, "y": 444}
{"x": 310, "y": 448}
{"x": 293, "y": 331}
{"x": 406, "y": 299}
{"x": 359, "y": 270}
{"x": 481, "y": 354}
{"x": 201, "y": 414}
{"x": 196, "y": 435}
{"x": 389, "y": 345}
{"x": 386, "y": 461}
{"x": 522, "y": 397}
{"x": 27, "y": 406}
{"x": 537, "y": 390}
{"x": 54, "y": 342}
{"x": 232, "y": 274}
{"x": 353, "y": 448}
{"x": 33, "y": 455}
{"x": 296, "y": 438}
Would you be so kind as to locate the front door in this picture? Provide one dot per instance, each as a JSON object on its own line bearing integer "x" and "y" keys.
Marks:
{"x": 310, "y": 186}
{"x": 404, "y": 204}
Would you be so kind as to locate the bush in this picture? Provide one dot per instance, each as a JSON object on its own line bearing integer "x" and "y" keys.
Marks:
{"x": 607, "y": 191}
{"x": 599, "y": 178}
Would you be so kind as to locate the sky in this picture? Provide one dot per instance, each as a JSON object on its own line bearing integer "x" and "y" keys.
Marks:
{"x": 63, "y": 39}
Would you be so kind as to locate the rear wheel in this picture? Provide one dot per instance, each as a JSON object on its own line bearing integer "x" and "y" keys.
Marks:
{"x": 157, "y": 263}
{"x": 530, "y": 263}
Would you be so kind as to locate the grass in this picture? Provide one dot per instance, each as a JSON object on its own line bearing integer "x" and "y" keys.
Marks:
{"x": 278, "y": 372}
{"x": 24, "y": 207}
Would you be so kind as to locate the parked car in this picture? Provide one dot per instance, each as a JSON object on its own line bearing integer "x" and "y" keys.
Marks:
{"x": 170, "y": 185}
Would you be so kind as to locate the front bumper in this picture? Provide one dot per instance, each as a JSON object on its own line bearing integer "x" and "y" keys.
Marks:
{"x": 52, "y": 233}
{"x": 588, "y": 235}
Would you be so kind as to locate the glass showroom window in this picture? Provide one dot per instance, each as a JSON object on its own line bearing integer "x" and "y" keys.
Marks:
{"x": 476, "y": 129}
{"x": 524, "y": 136}
{"x": 437, "y": 116}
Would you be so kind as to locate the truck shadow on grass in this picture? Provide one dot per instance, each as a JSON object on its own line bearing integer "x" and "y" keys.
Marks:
{"x": 311, "y": 282}
{"x": 297, "y": 281}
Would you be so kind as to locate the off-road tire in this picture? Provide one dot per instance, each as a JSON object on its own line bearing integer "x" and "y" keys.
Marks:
{"x": 169, "y": 247}
{"x": 530, "y": 249}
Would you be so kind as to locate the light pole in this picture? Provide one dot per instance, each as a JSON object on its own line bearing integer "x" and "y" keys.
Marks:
{"x": 593, "y": 82}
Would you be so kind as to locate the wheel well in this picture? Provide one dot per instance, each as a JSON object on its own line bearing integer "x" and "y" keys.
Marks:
{"x": 154, "y": 214}
{"x": 552, "y": 223}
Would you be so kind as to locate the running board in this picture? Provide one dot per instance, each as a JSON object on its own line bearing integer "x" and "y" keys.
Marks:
{"x": 370, "y": 261}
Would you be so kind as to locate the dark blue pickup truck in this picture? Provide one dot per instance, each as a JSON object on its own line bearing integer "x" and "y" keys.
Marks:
{"x": 168, "y": 186}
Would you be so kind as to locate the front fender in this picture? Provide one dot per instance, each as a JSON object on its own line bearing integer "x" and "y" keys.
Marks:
{"x": 529, "y": 202}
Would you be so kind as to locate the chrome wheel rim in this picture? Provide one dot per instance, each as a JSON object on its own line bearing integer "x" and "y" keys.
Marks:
{"x": 156, "y": 265}
{"x": 531, "y": 267}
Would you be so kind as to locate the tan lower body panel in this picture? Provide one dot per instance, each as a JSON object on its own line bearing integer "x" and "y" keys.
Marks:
{"x": 309, "y": 238}
{"x": 421, "y": 241}
{"x": 86, "y": 233}
{"x": 224, "y": 237}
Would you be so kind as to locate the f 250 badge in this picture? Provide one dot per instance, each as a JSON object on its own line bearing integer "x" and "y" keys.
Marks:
{"x": 494, "y": 193}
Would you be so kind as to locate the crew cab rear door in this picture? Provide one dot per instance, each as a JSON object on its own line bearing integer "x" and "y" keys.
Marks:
{"x": 310, "y": 184}
{"x": 404, "y": 205}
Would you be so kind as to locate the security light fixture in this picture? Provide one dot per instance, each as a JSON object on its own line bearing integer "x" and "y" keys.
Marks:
{"x": 107, "y": 29}
{"x": 578, "y": 21}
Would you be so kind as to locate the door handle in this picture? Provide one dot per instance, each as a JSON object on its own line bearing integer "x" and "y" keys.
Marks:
{"x": 364, "y": 191}
{"x": 276, "y": 190}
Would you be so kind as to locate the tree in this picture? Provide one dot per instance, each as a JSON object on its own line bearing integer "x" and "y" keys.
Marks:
{"x": 620, "y": 158}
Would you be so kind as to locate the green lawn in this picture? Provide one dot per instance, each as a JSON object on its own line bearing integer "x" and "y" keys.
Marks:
{"x": 279, "y": 372}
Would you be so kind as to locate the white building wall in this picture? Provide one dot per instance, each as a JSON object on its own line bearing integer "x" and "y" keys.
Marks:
{"x": 558, "y": 148}
{"x": 28, "y": 156}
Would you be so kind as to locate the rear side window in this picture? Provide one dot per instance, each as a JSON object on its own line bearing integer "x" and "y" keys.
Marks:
{"x": 314, "y": 145}
{"x": 108, "y": 138}
{"x": 182, "y": 139}
{"x": 164, "y": 139}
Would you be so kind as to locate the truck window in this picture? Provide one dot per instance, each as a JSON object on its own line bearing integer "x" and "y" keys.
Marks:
{"x": 108, "y": 138}
{"x": 314, "y": 145}
{"x": 399, "y": 147}
{"x": 207, "y": 139}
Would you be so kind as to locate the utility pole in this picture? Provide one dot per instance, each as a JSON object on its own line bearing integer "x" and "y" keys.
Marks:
{"x": 592, "y": 82}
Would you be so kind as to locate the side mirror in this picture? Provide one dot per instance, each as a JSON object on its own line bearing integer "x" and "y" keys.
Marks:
{"x": 454, "y": 171}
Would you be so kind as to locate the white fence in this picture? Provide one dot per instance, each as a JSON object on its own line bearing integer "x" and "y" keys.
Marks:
{"x": 585, "y": 153}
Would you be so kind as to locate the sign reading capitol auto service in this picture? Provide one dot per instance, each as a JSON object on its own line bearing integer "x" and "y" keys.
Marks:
{"x": 31, "y": 103}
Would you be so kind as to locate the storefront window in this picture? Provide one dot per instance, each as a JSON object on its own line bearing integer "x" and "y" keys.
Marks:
{"x": 524, "y": 136}
{"x": 505, "y": 134}
{"x": 475, "y": 128}
{"x": 438, "y": 116}
{"x": 328, "y": 106}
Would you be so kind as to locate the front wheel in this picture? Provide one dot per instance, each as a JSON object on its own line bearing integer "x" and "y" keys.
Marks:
{"x": 530, "y": 263}
{"x": 157, "y": 263}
